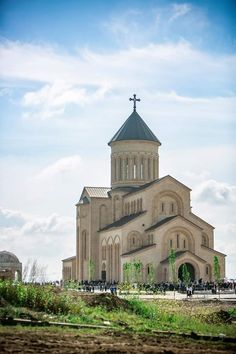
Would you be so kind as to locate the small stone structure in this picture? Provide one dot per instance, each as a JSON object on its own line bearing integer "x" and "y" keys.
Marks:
{"x": 10, "y": 266}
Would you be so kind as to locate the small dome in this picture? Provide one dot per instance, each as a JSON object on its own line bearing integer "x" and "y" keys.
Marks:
{"x": 8, "y": 257}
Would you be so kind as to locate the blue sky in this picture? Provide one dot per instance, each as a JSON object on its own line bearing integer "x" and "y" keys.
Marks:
{"x": 67, "y": 70}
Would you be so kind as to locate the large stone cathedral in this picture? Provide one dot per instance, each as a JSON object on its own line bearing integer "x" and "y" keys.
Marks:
{"x": 140, "y": 217}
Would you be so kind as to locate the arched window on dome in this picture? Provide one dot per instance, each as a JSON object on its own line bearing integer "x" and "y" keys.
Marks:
{"x": 149, "y": 168}
{"x": 135, "y": 168}
{"x": 142, "y": 168}
{"x": 127, "y": 168}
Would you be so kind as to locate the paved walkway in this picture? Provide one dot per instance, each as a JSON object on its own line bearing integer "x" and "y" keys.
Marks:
{"x": 178, "y": 296}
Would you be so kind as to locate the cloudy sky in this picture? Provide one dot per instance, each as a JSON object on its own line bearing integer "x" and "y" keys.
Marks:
{"x": 67, "y": 70}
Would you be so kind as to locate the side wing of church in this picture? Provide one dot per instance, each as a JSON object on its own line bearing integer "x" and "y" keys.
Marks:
{"x": 140, "y": 217}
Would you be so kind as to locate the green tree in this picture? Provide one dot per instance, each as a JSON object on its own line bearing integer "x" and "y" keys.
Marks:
{"x": 91, "y": 269}
{"x": 137, "y": 266}
{"x": 185, "y": 274}
{"x": 127, "y": 268}
{"x": 216, "y": 269}
{"x": 172, "y": 267}
{"x": 151, "y": 273}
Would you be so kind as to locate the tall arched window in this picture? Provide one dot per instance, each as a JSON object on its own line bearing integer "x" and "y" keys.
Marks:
{"x": 134, "y": 206}
{"x": 116, "y": 258}
{"x": 84, "y": 245}
{"x": 127, "y": 168}
{"x": 142, "y": 168}
{"x": 141, "y": 204}
{"x": 104, "y": 255}
{"x": 177, "y": 240}
{"x": 135, "y": 169}
{"x": 138, "y": 206}
{"x": 149, "y": 168}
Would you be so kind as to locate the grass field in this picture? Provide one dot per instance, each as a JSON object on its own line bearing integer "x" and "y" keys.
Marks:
{"x": 47, "y": 303}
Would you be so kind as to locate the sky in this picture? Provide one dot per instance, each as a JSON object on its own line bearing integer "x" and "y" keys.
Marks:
{"x": 67, "y": 70}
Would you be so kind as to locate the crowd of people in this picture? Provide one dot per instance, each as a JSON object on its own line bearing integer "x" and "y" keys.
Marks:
{"x": 114, "y": 287}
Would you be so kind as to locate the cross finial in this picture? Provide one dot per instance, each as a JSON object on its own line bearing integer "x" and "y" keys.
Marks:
{"x": 135, "y": 99}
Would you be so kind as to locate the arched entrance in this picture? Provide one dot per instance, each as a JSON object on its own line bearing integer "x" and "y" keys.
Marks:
{"x": 190, "y": 269}
{"x": 103, "y": 273}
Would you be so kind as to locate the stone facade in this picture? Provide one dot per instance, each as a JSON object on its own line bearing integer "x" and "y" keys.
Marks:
{"x": 10, "y": 266}
{"x": 141, "y": 217}
{"x": 69, "y": 268}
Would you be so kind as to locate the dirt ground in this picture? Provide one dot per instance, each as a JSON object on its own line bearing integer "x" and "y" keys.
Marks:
{"x": 13, "y": 340}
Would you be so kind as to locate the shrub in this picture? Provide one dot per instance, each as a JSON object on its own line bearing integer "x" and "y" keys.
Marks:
{"x": 36, "y": 297}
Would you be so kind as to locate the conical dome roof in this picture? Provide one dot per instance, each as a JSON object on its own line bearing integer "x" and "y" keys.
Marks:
{"x": 134, "y": 128}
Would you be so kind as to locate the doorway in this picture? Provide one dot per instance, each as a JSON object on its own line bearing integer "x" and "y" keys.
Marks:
{"x": 190, "y": 269}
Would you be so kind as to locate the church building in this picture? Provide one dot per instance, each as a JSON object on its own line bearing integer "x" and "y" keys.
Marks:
{"x": 139, "y": 218}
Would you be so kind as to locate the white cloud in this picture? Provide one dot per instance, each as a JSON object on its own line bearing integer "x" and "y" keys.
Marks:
{"x": 88, "y": 77}
{"x": 52, "y": 99}
{"x": 47, "y": 239}
{"x": 163, "y": 62}
{"x": 226, "y": 243}
{"x": 61, "y": 167}
{"x": 213, "y": 192}
{"x": 10, "y": 218}
{"x": 179, "y": 10}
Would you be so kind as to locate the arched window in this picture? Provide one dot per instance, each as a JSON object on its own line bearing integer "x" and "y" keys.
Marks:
{"x": 134, "y": 206}
{"x": 127, "y": 168}
{"x": 134, "y": 241}
{"x": 141, "y": 204}
{"x": 104, "y": 249}
{"x": 162, "y": 207}
{"x": 205, "y": 240}
{"x": 138, "y": 206}
{"x": 149, "y": 169}
{"x": 141, "y": 168}
{"x": 177, "y": 240}
{"x": 116, "y": 208}
{"x": 84, "y": 245}
{"x": 120, "y": 168}
{"x": 135, "y": 169}
{"x": 117, "y": 258}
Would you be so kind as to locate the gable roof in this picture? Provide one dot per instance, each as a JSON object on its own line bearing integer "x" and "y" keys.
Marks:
{"x": 124, "y": 220}
{"x": 169, "y": 218}
{"x": 180, "y": 253}
{"x": 146, "y": 185}
{"x": 69, "y": 259}
{"x": 214, "y": 251}
{"x": 200, "y": 219}
{"x": 134, "y": 128}
{"x": 138, "y": 249}
{"x": 162, "y": 222}
{"x": 95, "y": 192}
